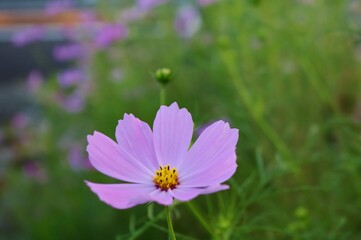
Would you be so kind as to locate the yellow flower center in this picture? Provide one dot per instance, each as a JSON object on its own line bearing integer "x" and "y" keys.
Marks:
{"x": 166, "y": 178}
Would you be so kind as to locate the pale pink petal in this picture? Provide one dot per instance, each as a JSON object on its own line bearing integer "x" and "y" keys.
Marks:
{"x": 186, "y": 194}
{"x": 109, "y": 158}
{"x": 213, "y": 189}
{"x": 215, "y": 174}
{"x": 136, "y": 138}
{"x": 162, "y": 197}
{"x": 172, "y": 134}
{"x": 122, "y": 196}
{"x": 212, "y": 158}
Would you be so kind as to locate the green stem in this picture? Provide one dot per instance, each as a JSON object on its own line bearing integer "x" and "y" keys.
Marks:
{"x": 144, "y": 227}
{"x": 162, "y": 95}
{"x": 229, "y": 59}
{"x": 200, "y": 218}
{"x": 169, "y": 221}
{"x": 167, "y": 211}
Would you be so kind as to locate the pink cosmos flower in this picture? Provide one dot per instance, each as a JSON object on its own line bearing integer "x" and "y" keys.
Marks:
{"x": 72, "y": 103}
{"x": 34, "y": 171}
{"x": 58, "y": 7}
{"x": 206, "y": 2}
{"x": 20, "y": 121}
{"x": 187, "y": 21}
{"x": 149, "y": 4}
{"x": 132, "y": 14}
{"x": 66, "y": 52}
{"x": 110, "y": 33}
{"x": 28, "y": 35}
{"x": 158, "y": 164}
{"x": 76, "y": 158}
{"x": 34, "y": 81}
{"x": 71, "y": 77}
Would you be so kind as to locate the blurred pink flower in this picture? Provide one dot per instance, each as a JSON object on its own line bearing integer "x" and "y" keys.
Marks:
{"x": 203, "y": 127}
{"x": 71, "y": 51}
{"x": 20, "y": 121}
{"x": 206, "y": 2}
{"x": 21, "y": 128}
{"x": 110, "y": 33}
{"x": 188, "y": 21}
{"x": 72, "y": 103}
{"x": 71, "y": 77}
{"x": 33, "y": 170}
{"x": 84, "y": 31}
{"x": 159, "y": 165}
{"x": 34, "y": 81}
{"x": 88, "y": 17}
{"x": 58, "y": 6}
{"x": 132, "y": 14}
{"x": 28, "y": 35}
{"x": 76, "y": 158}
{"x": 149, "y": 4}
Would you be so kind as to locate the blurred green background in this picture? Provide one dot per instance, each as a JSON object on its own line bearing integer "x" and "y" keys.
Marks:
{"x": 286, "y": 73}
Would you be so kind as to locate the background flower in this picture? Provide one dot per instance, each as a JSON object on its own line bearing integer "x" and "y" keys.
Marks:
{"x": 187, "y": 21}
{"x": 299, "y": 121}
{"x": 28, "y": 35}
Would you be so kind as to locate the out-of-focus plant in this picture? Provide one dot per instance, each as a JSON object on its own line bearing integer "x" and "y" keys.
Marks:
{"x": 286, "y": 73}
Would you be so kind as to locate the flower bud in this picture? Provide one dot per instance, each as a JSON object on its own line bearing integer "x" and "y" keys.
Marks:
{"x": 163, "y": 75}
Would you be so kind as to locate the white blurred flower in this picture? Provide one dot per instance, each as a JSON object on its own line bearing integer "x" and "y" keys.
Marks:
{"x": 188, "y": 21}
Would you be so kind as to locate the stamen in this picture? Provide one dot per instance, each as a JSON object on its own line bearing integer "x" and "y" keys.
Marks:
{"x": 166, "y": 178}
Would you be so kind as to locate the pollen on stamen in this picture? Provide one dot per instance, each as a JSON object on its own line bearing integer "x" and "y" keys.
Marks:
{"x": 166, "y": 178}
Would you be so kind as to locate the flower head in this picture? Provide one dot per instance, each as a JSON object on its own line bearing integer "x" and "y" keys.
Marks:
{"x": 76, "y": 158}
{"x": 110, "y": 33}
{"x": 58, "y": 6}
{"x": 71, "y": 77}
{"x": 66, "y": 52}
{"x": 28, "y": 35}
{"x": 188, "y": 21}
{"x": 34, "y": 81}
{"x": 149, "y": 4}
{"x": 158, "y": 164}
{"x": 73, "y": 102}
{"x": 205, "y": 2}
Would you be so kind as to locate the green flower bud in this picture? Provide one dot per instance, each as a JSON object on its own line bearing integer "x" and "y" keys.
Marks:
{"x": 163, "y": 75}
{"x": 301, "y": 212}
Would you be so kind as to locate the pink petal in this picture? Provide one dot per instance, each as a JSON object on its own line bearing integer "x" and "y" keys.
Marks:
{"x": 213, "y": 189}
{"x": 122, "y": 196}
{"x": 109, "y": 158}
{"x": 136, "y": 138}
{"x": 172, "y": 134}
{"x": 186, "y": 194}
{"x": 212, "y": 158}
{"x": 162, "y": 197}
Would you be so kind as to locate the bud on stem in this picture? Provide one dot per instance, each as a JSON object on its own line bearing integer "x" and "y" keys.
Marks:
{"x": 163, "y": 75}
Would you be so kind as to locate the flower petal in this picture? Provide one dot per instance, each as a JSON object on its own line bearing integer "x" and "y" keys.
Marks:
{"x": 122, "y": 196}
{"x": 172, "y": 133}
{"x": 212, "y": 158}
{"x": 136, "y": 138}
{"x": 162, "y": 197}
{"x": 185, "y": 194}
{"x": 109, "y": 158}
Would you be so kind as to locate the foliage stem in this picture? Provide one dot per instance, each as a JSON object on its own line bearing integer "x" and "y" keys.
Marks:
{"x": 199, "y": 216}
{"x": 169, "y": 221}
{"x": 162, "y": 95}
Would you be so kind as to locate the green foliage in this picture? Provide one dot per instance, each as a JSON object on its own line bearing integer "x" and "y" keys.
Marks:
{"x": 284, "y": 72}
